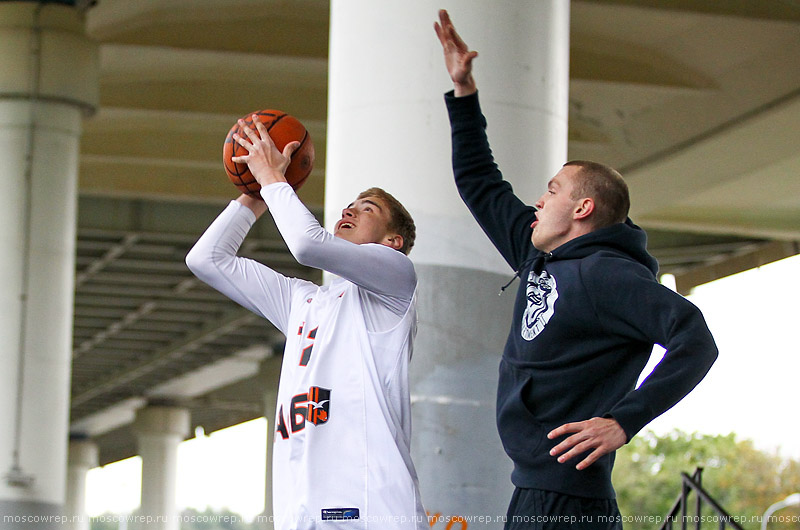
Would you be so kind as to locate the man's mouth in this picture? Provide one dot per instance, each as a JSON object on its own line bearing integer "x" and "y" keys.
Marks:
{"x": 346, "y": 224}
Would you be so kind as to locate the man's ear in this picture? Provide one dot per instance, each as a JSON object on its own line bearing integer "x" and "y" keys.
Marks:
{"x": 394, "y": 240}
{"x": 583, "y": 209}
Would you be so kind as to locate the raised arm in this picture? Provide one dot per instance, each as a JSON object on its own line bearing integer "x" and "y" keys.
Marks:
{"x": 374, "y": 267}
{"x": 251, "y": 284}
{"x": 490, "y": 199}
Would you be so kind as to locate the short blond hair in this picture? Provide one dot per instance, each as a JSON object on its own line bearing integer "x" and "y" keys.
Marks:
{"x": 400, "y": 221}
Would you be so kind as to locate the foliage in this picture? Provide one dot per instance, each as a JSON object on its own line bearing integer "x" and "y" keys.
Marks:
{"x": 742, "y": 479}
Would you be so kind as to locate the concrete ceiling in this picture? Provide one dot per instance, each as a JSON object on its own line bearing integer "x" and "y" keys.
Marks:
{"x": 697, "y": 102}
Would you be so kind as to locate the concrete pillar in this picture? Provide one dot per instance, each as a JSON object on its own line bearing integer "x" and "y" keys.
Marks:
{"x": 48, "y": 82}
{"x": 387, "y": 126}
{"x": 159, "y": 430}
{"x": 82, "y": 457}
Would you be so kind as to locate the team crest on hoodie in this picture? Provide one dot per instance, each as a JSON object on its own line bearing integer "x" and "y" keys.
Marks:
{"x": 541, "y": 294}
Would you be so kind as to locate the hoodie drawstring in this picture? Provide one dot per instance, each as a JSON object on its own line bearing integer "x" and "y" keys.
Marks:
{"x": 503, "y": 288}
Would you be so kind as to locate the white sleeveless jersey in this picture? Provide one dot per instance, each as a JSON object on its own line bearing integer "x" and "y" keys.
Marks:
{"x": 341, "y": 456}
{"x": 342, "y": 450}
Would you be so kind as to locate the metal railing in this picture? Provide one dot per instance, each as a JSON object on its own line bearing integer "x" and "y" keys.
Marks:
{"x": 679, "y": 511}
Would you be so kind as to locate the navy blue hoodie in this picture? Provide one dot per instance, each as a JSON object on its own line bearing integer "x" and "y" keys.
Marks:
{"x": 586, "y": 317}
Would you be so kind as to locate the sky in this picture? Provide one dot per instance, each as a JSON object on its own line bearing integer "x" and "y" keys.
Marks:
{"x": 751, "y": 390}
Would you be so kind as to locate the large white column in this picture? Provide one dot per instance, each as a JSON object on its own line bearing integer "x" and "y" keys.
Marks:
{"x": 387, "y": 126}
{"x": 159, "y": 430}
{"x": 48, "y": 81}
{"x": 82, "y": 457}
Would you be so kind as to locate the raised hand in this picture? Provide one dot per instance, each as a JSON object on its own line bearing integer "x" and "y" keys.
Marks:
{"x": 457, "y": 56}
{"x": 266, "y": 163}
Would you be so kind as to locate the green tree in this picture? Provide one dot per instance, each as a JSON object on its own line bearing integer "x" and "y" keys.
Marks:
{"x": 742, "y": 479}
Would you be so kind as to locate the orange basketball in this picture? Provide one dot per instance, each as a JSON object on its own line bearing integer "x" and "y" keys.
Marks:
{"x": 283, "y": 129}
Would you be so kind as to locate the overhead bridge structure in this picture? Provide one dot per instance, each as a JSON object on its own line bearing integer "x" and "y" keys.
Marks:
{"x": 112, "y": 118}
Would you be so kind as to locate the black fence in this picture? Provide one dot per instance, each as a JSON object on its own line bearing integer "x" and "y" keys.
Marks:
{"x": 680, "y": 510}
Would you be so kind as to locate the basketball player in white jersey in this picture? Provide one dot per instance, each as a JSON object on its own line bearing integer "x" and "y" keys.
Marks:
{"x": 341, "y": 457}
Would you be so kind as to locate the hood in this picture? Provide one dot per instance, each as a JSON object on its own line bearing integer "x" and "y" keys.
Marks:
{"x": 626, "y": 240}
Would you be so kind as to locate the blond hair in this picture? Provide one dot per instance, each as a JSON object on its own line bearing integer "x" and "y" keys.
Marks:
{"x": 400, "y": 221}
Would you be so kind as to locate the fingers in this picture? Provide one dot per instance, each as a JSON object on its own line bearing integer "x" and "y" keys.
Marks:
{"x": 250, "y": 133}
{"x": 603, "y": 435}
{"x": 243, "y": 142}
{"x": 467, "y": 62}
{"x": 444, "y": 19}
{"x": 447, "y": 32}
{"x": 564, "y": 429}
{"x": 290, "y": 148}
{"x": 576, "y": 444}
{"x": 581, "y": 448}
{"x": 439, "y": 27}
{"x": 262, "y": 130}
{"x": 439, "y": 32}
{"x": 458, "y": 57}
{"x": 591, "y": 459}
{"x": 242, "y": 159}
{"x": 257, "y": 138}
{"x": 568, "y": 442}
{"x": 260, "y": 134}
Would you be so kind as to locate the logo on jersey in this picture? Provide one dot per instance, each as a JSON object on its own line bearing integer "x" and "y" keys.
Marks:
{"x": 339, "y": 514}
{"x": 541, "y": 295}
{"x": 319, "y": 401}
{"x": 310, "y": 407}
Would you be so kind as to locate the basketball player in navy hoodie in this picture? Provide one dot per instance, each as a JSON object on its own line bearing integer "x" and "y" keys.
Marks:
{"x": 587, "y": 313}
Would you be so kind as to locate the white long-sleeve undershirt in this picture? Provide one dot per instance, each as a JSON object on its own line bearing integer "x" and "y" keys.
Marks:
{"x": 386, "y": 276}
